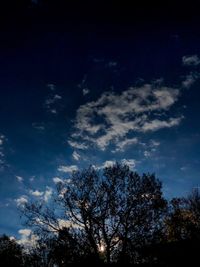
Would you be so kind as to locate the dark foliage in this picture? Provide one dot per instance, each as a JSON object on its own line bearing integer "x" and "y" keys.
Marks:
{"x": 10, "y": 253}
{"x": 109, "y": 217}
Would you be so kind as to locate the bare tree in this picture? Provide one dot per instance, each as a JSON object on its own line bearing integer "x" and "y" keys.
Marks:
{"x": 115, "y": 209}
{"x": 118, "y": 209}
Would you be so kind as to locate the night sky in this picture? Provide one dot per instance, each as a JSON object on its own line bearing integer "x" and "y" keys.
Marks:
{"x": 96, "y": 83}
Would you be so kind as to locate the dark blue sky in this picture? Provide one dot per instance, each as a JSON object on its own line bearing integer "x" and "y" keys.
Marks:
{"x": 89, "y": 84}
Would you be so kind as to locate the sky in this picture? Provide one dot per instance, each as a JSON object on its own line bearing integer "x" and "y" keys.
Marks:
{"x": 88, "y": 84}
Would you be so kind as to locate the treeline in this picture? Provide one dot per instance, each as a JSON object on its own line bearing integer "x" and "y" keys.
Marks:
{"x": 110, "y": 216}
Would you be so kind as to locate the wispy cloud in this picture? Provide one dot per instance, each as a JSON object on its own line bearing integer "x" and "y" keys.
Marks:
{"x": 19, "y": 178}
{"x": 76, "y": 156}
{"x": 190, "y": 79}
{"x": 151, "y": 148}
{"x": 109, "y": 163}
{"x": 51, "y": 86}
{"x": 57, "y": 180}
{"x": 110, "y": 118}
{"x": 52, "y": 101}
{"x": 86, "y": 91}
{"x": 25, "y": 232}
{"x": 38, "y": 126}
{"x": 122, "y": 145}
{"x": 157, "y": 124}
{"x": 32, "y": 178}
{"x": 36, "y": 193}
{"x": 43, "y": 195}
{"x": 67, "y": 223}
{"x": 22, "y": 200}
{"x": 130, "y": 162}
{"x": 27, "y": 238}
{"x": 2, "y": 138}
{"x": 83, "y": 85}
{"x": 67, "y": 169}
{"x": 48, "y": 193}
{"x": 147, "y": 154}
{"x": 192, "y": 60}
{"x": 76, "y": 144}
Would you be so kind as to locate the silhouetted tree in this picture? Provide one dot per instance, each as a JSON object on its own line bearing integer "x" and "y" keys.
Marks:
{"x": 180, "y": 247}
{"x": 119, "y": 210}
{"x": 10, "y": 253}
{"x": 183, "y": 221}
{"x": 116, "y": 210}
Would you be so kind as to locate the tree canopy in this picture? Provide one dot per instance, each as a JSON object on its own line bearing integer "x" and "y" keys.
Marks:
{"x": 110, "y": 215}
{"x": 115, "y": 209}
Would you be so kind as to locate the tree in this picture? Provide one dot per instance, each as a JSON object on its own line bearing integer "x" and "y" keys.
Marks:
{"x": 10, "y": 253}
{"x": 182, "y": 232}
{"x": 115, "y": 209}
{"x": 183, "y": 220}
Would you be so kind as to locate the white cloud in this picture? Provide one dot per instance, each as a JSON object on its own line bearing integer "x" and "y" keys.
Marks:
{"x": 130, "y": 162}
{"x": 121, "y": 145}
{"x": 62, "y": 192}
{"x": 190, "y": 79}
{"x": 108, "y": 163}
{"x": 57, "y": 180}
{"x": 53, "y": 111}
{"x": 48, "y": 193}
{"x": 67, "y": 169}
{"x": 25, "y": 232}
{"x": 192, "y": 60}
{"x": 27, "y": 239}
{"x": 57, "y": 97}
{"x": 19, "y": 179}
{"x": 36, "y": 193}
{"x": 151, "y": 148}
{"x": 155, "y": 125}
{"x": 134, "y": 110}
{"x": 21, "y": 201}
{"x": 77, "y": 145}
{"x": 86, "y": 91}
{"x": 75, "y": 155}
{"x": 52, "y": 103}
{"x": 44, "y": 195}
{"x": 66, "y": 223}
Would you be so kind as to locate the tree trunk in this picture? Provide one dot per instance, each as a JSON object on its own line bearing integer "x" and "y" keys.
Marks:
{"x": 108, "y": 254}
